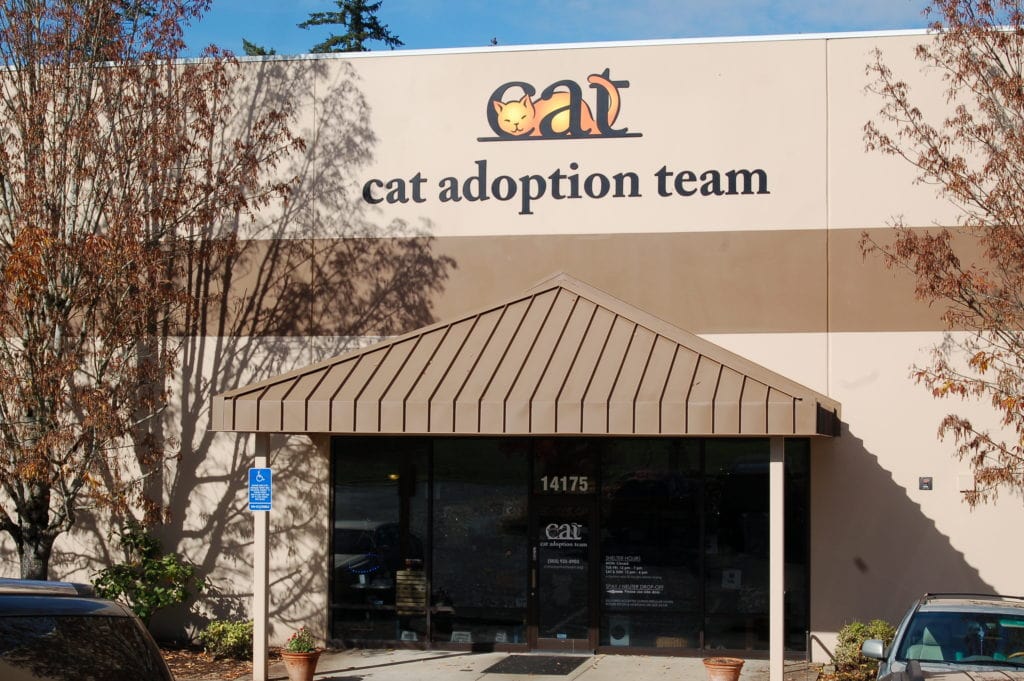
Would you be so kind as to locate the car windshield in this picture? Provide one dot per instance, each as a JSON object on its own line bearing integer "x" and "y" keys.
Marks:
{"x": 964, "y": 637}
{"x": 66, "y": 648}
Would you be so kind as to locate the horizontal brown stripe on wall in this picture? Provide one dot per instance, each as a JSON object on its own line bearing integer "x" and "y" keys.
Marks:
{"x": 777, "y": 281}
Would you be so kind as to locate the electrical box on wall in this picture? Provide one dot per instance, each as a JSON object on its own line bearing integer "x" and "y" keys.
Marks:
{"x": 925, "y": 483}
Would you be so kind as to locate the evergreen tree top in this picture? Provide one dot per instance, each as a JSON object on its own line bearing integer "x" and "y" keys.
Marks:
{"x": 359, "y": 17}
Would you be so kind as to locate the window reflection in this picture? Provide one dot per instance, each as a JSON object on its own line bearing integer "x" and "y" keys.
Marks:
{"x": 480, "y": 540}
{"x": 650, "y": 518}
{"x": 380, "y": 495}
{"x": 736, "y": 545}
{"x": 430, "y": 540}
{"x": 66, "y": 647}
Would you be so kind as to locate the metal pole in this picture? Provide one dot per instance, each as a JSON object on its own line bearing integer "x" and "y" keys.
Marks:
{"x": 260, "y": 573}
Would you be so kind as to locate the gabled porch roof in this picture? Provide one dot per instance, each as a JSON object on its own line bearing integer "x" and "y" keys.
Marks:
{"x": 564, "y": 358}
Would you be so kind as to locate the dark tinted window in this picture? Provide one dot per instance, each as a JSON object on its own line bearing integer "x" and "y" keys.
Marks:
{"x": 480, "y": 540}
{"x": 69, "y": 648}
{"x": 736, "y": 588}
{"x": 380, "y": 527}
{"x": 650, "y": 544}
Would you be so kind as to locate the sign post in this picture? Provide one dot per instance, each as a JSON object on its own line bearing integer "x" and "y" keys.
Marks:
{"x": 261, "y": 494}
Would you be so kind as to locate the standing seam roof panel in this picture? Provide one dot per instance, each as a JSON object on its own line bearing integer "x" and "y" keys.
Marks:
{"x": 417, "y": 402}
{"x": 647, "y": 402}
{"x": 489, "y": 357}
{"x": 569, "y": 402}
{"x": 393, "y": 401}
{"x": 296, "y": 404}
{"x": 544, "y": 400}
{"x": 368, "y": 403}
{"x": 492, "y": 397}
{"x": 595, "y": 400}
{"x": 344, "y": 402}
{"x": 517, "y": 393}
{"x": 622, "y": 399}
{"x": 442, "y": 397}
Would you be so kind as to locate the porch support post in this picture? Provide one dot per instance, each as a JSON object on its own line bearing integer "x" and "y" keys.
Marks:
{"x": 777, "y": 559}
{"x": 260, "y": 573}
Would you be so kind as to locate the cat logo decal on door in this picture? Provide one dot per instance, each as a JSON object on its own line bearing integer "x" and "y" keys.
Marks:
{"x": 572, "y": 531}
{"x": 559, "y": 112}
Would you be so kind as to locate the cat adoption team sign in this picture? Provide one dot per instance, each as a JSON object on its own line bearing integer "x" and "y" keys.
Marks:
{"x": 515, "y": 113}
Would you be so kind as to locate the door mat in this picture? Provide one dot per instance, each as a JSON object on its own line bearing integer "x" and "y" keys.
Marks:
{"x": 547, "y": 665}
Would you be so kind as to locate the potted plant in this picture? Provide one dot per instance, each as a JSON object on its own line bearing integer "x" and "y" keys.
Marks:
{"x": 300, "y": 655}
{"x": 723, "y": 668}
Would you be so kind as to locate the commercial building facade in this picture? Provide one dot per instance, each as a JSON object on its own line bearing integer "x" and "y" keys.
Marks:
{"x": 546, "y": 390}
{"x": 559, "y": 471}
{"x": 719, "y": 188}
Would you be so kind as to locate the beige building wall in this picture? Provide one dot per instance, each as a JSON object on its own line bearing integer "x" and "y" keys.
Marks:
{"x": 777, "y": 277}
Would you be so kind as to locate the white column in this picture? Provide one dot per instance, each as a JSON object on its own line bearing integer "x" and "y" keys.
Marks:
{"x": 260, "y": 574}
{"x": 777, "y": 559}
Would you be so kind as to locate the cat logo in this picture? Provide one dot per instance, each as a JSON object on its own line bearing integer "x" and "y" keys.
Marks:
{"x": 559, "y": 112}
{"x": 571, "y": 531}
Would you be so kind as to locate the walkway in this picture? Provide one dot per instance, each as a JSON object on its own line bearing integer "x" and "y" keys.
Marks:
{"x": 418, "y": 665}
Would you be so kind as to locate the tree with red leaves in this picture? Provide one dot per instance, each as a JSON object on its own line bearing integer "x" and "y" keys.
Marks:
{"x": 975, "y": 156}
{"x": 120, "y": 166}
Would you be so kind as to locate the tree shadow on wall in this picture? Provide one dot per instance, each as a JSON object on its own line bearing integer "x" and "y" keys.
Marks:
{"x": 874, "y": 549}
{"x": 310, "y": 279}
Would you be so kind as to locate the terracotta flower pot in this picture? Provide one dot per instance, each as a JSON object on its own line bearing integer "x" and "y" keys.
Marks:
{"x": 300, "y": 666}
{"x": 723, "y": 668}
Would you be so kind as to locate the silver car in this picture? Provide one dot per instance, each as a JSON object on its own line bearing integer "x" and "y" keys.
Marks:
{"x": 954, "y": 635}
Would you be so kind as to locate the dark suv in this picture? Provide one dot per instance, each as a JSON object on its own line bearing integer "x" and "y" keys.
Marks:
{"x": 60, "y": 631}
{"x": 955, "y": 635}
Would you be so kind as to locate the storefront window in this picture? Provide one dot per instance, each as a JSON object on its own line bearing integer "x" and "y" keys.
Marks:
{"x": 736, "y": 544}
{"x": 480, "y": 540}
{"x": 650, "y": 542}
{"x": 653, "y": 542}
{"x": 798, "y": 543}
{"x": 378, "y": 538}
{"x": 737, "y": 527}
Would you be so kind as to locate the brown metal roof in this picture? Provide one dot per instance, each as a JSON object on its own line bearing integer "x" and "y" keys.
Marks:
{"x": 564, "y": 358}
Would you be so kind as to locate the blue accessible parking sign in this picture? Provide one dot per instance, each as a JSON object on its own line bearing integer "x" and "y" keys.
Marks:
{"x": 261, "y": 491}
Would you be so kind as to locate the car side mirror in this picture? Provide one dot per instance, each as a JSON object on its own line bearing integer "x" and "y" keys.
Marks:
{"x": 873, "y": 648}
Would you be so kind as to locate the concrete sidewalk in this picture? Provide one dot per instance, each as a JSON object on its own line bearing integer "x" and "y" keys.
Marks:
{"x": 419, "y": 665}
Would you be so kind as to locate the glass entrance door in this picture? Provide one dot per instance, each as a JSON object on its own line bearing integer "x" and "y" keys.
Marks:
{"x": 563, "y": 573}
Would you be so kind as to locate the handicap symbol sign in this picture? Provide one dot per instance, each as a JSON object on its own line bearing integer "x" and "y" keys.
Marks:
{"x": 261, "y": 489}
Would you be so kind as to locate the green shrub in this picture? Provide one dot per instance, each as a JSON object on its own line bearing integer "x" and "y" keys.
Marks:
{"x": 228, "y": 638}
{"x": 850, "y": 664}
{"x": 147, "y": 581}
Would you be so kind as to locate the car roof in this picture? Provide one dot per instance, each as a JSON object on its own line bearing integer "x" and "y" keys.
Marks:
{"x": 43, "y": 588}
{"x": 24, "y": 597}
{"x": 972, "y": 602}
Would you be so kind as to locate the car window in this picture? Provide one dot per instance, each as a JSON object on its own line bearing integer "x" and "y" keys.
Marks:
{"x": 968, "y": 637}
{"x": 71, "y": 648}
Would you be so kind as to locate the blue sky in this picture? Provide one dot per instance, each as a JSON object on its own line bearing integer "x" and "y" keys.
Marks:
{"x": 429, "y": 24}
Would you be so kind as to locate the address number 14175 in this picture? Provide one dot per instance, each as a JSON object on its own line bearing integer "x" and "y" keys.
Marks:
{"x": 565, "y": 483}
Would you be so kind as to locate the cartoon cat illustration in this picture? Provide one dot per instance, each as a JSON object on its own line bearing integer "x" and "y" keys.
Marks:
{"x": 523, "y": 116}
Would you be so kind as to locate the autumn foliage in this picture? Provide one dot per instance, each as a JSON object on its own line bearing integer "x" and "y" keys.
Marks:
{"x": 121, "y": 169}
{"x": 974, "y": 154}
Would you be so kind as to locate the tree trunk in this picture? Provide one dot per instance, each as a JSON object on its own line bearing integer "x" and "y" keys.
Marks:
{"x": 36, "y": 541}
{"x": 34, "y": 552}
